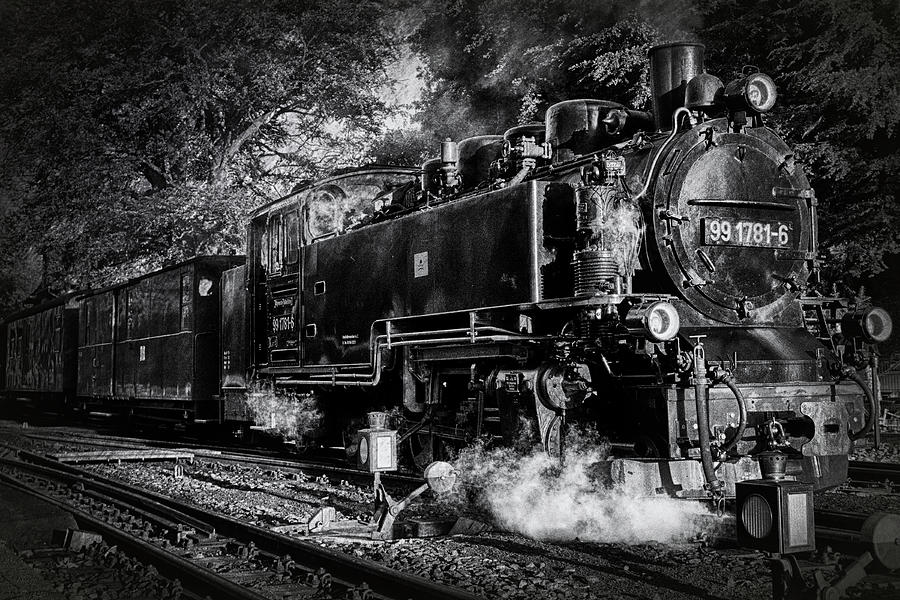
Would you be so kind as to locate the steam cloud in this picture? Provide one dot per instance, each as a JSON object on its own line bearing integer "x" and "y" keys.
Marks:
{"x": 532, "y": 494}
{"x": 294, "y": 416}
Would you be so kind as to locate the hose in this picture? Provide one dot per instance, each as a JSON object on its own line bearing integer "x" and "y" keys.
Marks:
{"x": 742, "y": 410}
{"x": 870, "y": 398}
{"x": 700, "y": 391}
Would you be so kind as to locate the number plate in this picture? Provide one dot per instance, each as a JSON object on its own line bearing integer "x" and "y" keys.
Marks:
{"x": 738, "y": 232}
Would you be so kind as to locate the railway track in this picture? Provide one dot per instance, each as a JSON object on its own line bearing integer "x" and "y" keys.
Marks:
{"x": 236, "y": 560}
{"x": 842, "y": 527}
{"x": 840, "y": 531}
{"x": 874, "y": 472}
{"x": 246, "y": 457}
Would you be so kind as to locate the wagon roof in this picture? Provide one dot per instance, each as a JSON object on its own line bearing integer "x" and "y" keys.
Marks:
{"x": 41, "y": 307}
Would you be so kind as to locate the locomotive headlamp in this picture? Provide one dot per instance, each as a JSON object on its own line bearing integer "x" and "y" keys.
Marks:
{"x": 658, "y": 321}
{"x": 754, "y": 93}
{"x": 873, "y": 324}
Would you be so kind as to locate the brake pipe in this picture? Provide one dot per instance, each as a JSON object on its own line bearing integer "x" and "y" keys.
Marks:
{"x": 851, "y": 374}
{"x": 728, "y": 380}
{"x": 701, "y": 390}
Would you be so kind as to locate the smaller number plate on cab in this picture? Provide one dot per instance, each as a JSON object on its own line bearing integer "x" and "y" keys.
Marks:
{"x": 741, "y": 232}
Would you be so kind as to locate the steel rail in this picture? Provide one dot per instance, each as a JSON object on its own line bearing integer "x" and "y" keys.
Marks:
{"x": 874, "y": 471}
{"x": 199, "y": 581}
{"x": 840, "y": 527}
{"x": 382, "y": 580}
{"x": 231, "y": 455}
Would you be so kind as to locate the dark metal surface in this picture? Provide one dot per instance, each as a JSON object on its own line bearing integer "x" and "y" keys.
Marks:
{"x": 235, "y": 342}
{"x": 731, "y": 177}
{"x": 874, "y": 471}
{"x": 575, "y": 127}
{"x": 95, "y": 345}
{"x": 671, "y": 67}
{"x": 40, "y": 351}
{"x": 167, "y": 352}
{"x": 483, "y": 251}
{"x": 762, "y": 354}
{"x": 475, "y": 157}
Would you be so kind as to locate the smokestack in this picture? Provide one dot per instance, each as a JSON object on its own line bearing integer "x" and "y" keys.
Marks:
{"x": 671, "y": 67}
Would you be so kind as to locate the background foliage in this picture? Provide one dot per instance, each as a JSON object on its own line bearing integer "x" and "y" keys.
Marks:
{"x": 134, "y": 132}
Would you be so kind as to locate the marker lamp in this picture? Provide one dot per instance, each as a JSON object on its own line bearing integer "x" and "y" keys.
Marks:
{"x": 873, "y": 324}
{"x": 754, "y": 93}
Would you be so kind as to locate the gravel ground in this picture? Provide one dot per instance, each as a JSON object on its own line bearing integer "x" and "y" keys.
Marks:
{"x": 256, "y": 495}
{"x": 866, "y": 499}
{"x": 858, "y": 500}
{"x": 100, "y": 572}
{"x": 887, "y": 452}
{"x": 495, "y": 564}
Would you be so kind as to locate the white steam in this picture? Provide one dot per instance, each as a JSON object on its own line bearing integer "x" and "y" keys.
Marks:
{"x": 294, "y": 416}
{"x": 532, "y": 494}
{"x": 622, "y": 229}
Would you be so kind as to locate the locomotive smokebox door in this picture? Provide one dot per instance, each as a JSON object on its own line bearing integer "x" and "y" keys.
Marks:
{"x": 377, "y": 450}
{"x": 775, "y": 516}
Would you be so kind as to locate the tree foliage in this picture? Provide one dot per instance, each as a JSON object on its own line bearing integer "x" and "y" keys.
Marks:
{"x": 492, "y": 64}
{"x": 138, "y": 131}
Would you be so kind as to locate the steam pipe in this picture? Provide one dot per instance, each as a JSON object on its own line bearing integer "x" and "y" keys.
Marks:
{"x": 870, "y": 399}
{"x": 680, "y": 111}
{"x": 700, "y": 391}
{"x": 742, "y": 409}
{"x": 373, "y": 378}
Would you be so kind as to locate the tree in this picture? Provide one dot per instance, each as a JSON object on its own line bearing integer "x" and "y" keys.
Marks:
{"x": 492, "y": 64}
{"x": 136, "y": 131}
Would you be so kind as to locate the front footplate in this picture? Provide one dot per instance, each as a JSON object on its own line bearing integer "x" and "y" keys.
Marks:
{"x": 674, "y": 478}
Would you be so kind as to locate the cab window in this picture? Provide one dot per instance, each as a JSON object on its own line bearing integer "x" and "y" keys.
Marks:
{"x": 344, "y": 203}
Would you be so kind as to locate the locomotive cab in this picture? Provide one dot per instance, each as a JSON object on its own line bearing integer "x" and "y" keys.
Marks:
{"x": 298, "y": 312}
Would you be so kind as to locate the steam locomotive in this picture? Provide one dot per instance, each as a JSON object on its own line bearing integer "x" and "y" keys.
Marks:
{"x": 652, "y": 276}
